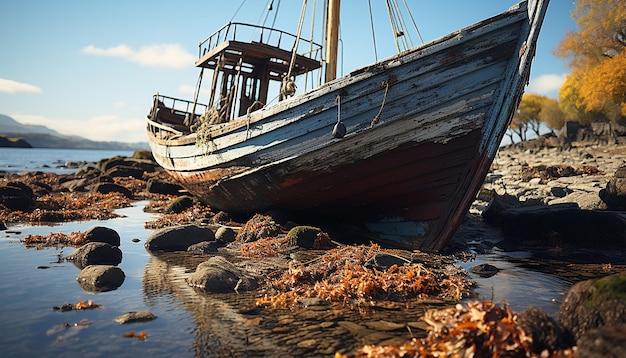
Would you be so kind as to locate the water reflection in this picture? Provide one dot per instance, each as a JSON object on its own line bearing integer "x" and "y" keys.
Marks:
{"x": 220, "y": 327}
{"x": 231, "y": 324}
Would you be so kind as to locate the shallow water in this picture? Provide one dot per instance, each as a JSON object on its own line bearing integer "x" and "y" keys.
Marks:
{"x": 195, "y": 324}
{"x": 191, "y": 323}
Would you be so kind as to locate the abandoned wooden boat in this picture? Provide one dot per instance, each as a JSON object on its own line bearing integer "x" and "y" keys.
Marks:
{"x": 397, "y": 149}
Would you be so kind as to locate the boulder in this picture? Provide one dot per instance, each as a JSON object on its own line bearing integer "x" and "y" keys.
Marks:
{"x": 125, "y": 171}
{"x": 225, "y": 234}
{"x": 303, "y": 236}
{"x": 205, "y": 247}
{"x": 564, "y": 224}
{"x": 143, "y": 154}
{"x": 95, "y": 253}
{"x": 383, "y": 262}
{"x": 603, "y": 342}
{"x": 593, "y": 304}
{"x": 485, "y": 270}
{"x": 102, "y": 234}
{"x": 179, "y": 204}
{"x": 77, "y": 185}
{"x": 177, "y": 238}
{"x": 17, "y": 196}
{"x": 134, "y": 317}
{"x": 218, "y": 275}
{"x": 546, "y": 333}
{"x": 157, "y": 186}
{"x": 105, "y": 188}
{"x": 100, "y": 278}
{"x": 614, "y": 195}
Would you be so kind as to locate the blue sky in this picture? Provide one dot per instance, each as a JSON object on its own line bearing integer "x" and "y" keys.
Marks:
{"x": 90, "y": 68}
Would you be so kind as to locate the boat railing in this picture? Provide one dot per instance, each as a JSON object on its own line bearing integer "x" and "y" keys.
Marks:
{"x": 173, "y": 115}
{"x": 236, "y": 31}
{"x": 177, "y": 106}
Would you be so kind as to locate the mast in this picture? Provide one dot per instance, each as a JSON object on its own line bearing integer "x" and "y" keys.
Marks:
{"x": 332, "y": 39}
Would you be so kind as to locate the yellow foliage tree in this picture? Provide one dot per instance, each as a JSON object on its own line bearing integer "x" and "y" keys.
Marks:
{"x": 597, "y": 57}
{"x": 528, "y": 111}
{"x": 533, "y": 110}
{"x": 551, "y": 114}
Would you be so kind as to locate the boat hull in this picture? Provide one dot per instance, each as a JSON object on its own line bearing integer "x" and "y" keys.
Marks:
{"x": 422, "y": 130}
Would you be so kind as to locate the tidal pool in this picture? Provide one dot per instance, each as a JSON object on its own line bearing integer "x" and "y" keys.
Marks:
{"x": 195, "y": 324}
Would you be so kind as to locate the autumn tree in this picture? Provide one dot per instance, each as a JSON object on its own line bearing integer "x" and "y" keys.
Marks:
{"x": 533, "y": 110}
{"x": 551, "y": 114}
{"x": 518, "y": 126}
{"x": 596, "y": 88}
{"x": 528, "y": 111}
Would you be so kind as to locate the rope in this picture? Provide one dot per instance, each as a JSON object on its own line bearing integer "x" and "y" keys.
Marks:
{"x": 413, "y": 20}
{"x": 369, "y": 4}
{"x": 382, "y": 105}
{"x": 295, "y": 45}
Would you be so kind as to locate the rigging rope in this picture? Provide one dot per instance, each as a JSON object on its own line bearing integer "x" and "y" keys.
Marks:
{"x": 237, "y": 11}
{"x": 288, "y": 87}
{"x": 369, "y": 3}
{"x": 413, "y": 20}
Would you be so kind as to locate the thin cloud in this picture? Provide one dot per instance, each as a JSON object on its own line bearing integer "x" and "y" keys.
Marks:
{"x": 545, "y": 84}
{"x": 10, "y": 86}
{"x": 109, "y": 128}
{"x": 163, "y": 55}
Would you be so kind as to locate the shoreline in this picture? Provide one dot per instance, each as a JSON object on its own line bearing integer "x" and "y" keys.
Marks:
{"x": 475, "y": 238}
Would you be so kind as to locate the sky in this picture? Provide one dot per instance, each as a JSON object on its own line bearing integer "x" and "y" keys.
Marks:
{"x": 90, "y": 68}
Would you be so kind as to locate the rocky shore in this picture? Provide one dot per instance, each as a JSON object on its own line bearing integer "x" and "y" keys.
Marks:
{"x": 549, "y": 201}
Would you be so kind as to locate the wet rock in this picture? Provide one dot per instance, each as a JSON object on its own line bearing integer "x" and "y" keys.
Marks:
{"x": 614, "y": 195}
{"x": 221, "y": 218}
{"x": 17, "y": 196}
{"x": 594, "y": 303}
{"x": 564, "y": 224}
{"x": 497, "y": 205}
{"x": 95, "y": 253}
{"x": 205, "y": 247}
{"x": 106, "y": 188}
{"x": 609, "y": 341}
{"x": 157, "y": 186}
{"x": 103, "y": 234}
{"x": 303, "y": 236}
{"x": 218, "y": 275}
{"x": 546, "y": 333}
{"x": 559, "y": 191}
{"x": 78, "y": 185}
{"x": 179, "y": 204}
{"x": 225, "y": 234}
{"x": 2, "y": 226}
{"x": 177, "y": 238}
{"x": 134, "y": 317}
{"x": 484, "y": 270}
{"x": 143, "y": 154}
{"x": 100, "y": 278}
{"x": 384, "y": 261}
{"x": 125, "y": 171}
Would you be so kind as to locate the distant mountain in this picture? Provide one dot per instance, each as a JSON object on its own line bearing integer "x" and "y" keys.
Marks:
{"x": 43, "y": 137}
{"x": 10, "y": 125}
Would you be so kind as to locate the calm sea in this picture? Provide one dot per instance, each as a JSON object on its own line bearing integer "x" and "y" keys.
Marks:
{"x": 19, "y": 160}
